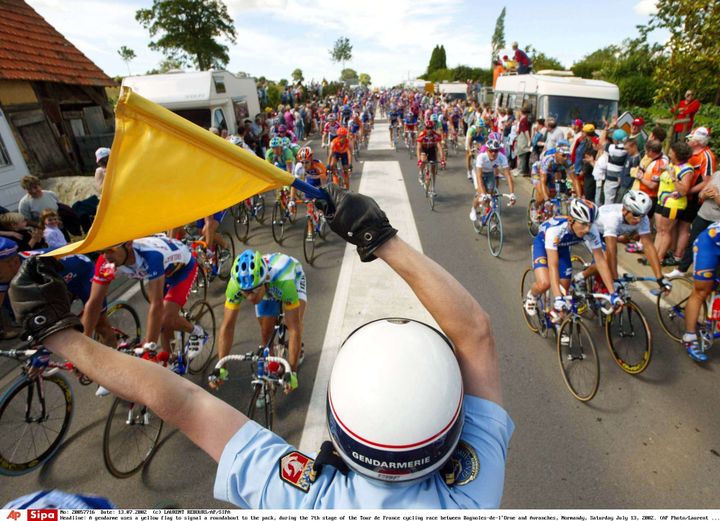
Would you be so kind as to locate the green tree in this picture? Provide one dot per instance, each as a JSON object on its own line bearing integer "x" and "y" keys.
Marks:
{"x": 273, "y": 94}
{"x": 341, "y": 51}
{"x": 541, "y": 61}
{"x": 167, "y": 65}
{"x": 349, "y": 76}
{"x": 188, "y": 30}
{"x": 127, "y": 55}
{"x": 283, "y": 83}
{"x": 692, "y": 52}
{"x": 498, "y": 38}
{"x": 438, "y": 60}
{"x": 590, "y": 65}
{"x": 364, "y": 79}
{"x": 297, "y": 76}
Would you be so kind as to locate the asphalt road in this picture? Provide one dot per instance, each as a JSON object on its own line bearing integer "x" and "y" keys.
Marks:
{"x": 648, "y": 441}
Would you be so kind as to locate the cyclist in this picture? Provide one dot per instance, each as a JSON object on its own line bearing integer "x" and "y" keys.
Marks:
{"x": 486, "y": 168}
{"x": 274, "y": 283}
{"x": 706, "y": 259}
{"x": 410, "y": 125}
{"x": 355, "y": 126}
{"x": 428, "y": 148}
{"x": 550, "y": 173}
{"x": 475, "y": 137}
{"x": 449, "y": 417}
{"x": 340, "y": 150}
{"x": 394, "y": 117}
{"x": 312, "y": 171}
{"x": 169, "y": 269}
{"x": 329, "y": 131}
{"x": 209, "y": 226}
{"x": 626, "y": 219}
{"x": 279, "y": 156}
{"x": 551, "y": 256}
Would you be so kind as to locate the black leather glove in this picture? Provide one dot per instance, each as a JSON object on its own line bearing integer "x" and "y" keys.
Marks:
{"x": 41, "y": 300}
{"x": 359, "y": 220}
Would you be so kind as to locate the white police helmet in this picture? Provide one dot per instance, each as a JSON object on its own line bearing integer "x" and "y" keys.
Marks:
{"x": 394, "y": 402}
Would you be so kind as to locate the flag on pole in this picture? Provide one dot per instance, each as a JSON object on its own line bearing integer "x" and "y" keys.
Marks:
{"x": 164, "y": 172}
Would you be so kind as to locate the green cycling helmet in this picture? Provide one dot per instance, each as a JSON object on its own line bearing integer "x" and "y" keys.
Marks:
{"x": 275, "y": 142}
{"x": 250, "y": 270}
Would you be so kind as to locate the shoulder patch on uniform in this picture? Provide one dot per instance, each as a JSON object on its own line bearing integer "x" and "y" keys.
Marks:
{"x": 295, "y": 469}
{"x": 466, "y": 465}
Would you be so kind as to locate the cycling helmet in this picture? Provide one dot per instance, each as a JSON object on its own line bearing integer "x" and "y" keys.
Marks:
{"x": 282, "y": 129}
{"x": 342, "y": 132}
{"x": 583, "y": 211}
{"x": 413, "y": 433}
{"x": 637, "y": 202}
{"x": 619, "y": 135}
{"x": 331, "y": 117}
{"x": 493, "y": 144}
{"x": 434, "y": 118}
{"x": 250, "y": 270}
{"x": 285, "y": 141}
{"x": 275, "y": 142}
{"x": 305, "y": 154}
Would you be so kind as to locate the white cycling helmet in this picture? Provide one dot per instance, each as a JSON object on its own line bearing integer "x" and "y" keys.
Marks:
{"x": 637, "y": 202}
{"x": 394, "y": 401}
{"x": 583, "y": 211}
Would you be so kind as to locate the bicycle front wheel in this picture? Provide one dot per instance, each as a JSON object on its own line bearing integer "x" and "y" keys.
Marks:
{"x": 495, "y": 234}
{"x": 261, "y": 408}
{"x": 225, "y": 256}
{"x": 671, "y": 308}
{"x": 309, "y": 240}
{"x": 34, "y": 417}
{"x": 578, "y": 359}
{"x": 201, "y": 313}
{"x": 198, "y": 290}
{"x": 432, "y": 195}
{"x": 527, "y": 281}
{"x": 278, "y": 223}
{"x": 130, "y": 439}
{"x": 533, "y": 223}
{"x": 241, "y": 223}
{"x": 259, "y": 206}
{"x": 629, "y": 339}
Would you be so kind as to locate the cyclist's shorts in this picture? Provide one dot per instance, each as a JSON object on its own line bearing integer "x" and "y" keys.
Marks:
{"x": 488, "y": 180}
{"x": 342, "y": 157}
{"x": 539, "y": 256}
{"x": 270, "y": 307}
{"x": 430, "y": 152}
{"x": 312, "y": 181}
{"x": 410, "y": 127}
{"x": 177, "y": 290}
{"x": 354, "y": 129}
{"x": 445, "y": 126}
{"x": 706, "y": 257}
{"x": 219, "y": 216}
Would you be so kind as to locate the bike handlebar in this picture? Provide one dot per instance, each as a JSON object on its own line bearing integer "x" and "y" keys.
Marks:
{"x": 249, "y": 357}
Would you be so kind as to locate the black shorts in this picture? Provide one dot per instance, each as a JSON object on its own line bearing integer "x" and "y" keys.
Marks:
{"x": 430, "y": 152}
{"x": 691, "y": 211}
{"x": 670, "y": 213}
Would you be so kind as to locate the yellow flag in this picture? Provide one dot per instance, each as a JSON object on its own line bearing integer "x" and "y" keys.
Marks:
{"x": 165, "y": 171}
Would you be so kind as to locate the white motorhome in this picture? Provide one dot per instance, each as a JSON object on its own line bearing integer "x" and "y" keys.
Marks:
{"x": 453, "y": 91}
{"x": 558, "y": 94}
{"x": 12, "y": 167}
{"x": 207, "y": 98}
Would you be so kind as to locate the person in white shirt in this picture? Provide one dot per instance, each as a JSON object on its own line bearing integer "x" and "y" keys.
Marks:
{"x": 51, "y": 229}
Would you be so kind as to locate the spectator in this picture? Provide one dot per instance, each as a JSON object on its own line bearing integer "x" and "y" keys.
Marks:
{"x": 299, "y": 124}
{"x": 589, "y": 155}
{"x": 522, "y": 144}
{"x": 36, "y": 200}
{"x": 636, "y": 132}
{"x": 497, "y": 71}
{"x": 658, "y": 133}
{"x": 652, "y": 165}
{"x": 599, "y": 173}
{"x": 102, "y": 156}
{"x": 615, "y": 165}
{"x": 675, "y": 183}
{"x": 554, "y": 134}
{"x": 15, "y": 226}
{"x": 575, "y": 130}
{"x": 522, "y": 59}
{"x": 539, "y": 134}
{"x": 632, "y": 162}
{"x": 686, "y": 109}
{"x": 51, "y": 229}
{"x": 9, "y": 264}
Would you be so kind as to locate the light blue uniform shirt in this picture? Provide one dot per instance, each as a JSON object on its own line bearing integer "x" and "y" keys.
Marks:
{"x": 248, "y": 474}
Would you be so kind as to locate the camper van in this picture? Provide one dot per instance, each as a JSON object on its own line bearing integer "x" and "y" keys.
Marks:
{"x": 12, "y": 167}
{"x": 558, "y": 94}
{"x": 207, "y": 98}
{"x": 453, "y": 91}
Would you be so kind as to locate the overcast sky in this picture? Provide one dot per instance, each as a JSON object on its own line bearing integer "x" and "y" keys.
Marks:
{"x": 392, "y": 39}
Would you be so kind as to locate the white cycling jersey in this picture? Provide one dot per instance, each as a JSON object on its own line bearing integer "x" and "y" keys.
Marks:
{"x": 488, "y": 165}
{"x": 610, "y": 222}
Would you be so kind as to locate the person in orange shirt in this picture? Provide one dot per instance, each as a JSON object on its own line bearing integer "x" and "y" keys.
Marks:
{"x": 340, "y": 150}
{"x": 497, "y": 71}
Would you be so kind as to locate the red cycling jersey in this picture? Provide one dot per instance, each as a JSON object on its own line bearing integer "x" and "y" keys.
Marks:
{"x": 429, "y": 138}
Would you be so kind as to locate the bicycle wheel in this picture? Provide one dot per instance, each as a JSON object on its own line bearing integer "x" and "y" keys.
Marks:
{"x": 130, "y": 438}
{"x": 291, "y": 213}
{"x": 259, "y": 207}
{"x": 124, "y": 320}
{"x": 527, "y": 281}
{"x": 225, "y": 256}
{"x": 241, "y": 223}
{"x": 201, "y": 313}
{"x": 578, "y": 359}
{"x": 495, "y": 233}
{"x": 323, "y": 228}
{"x": 629, "y": 339}
{"x": 198, "y": 290}
{"x": 309, "y": 240}
{"x": 426, "y": 178}
{"x": 670, "y": 308}
{"x": 533, "y": 225}
{"x": 143, "y": 290}
{"x": 278, "y": 223}
{"x": 34, "y": 417}
{"x": 261, "y": 407}
{"x": 432, "y": 195}
{"x": 235, "y": 210}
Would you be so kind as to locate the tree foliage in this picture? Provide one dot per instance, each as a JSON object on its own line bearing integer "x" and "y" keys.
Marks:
{"x": 188, "y": 30}
{"x": 365, "y": 79}
{"x": 438, "y": 59}
{"x": 341, "y": 51}
{"x": 297, "y": 76}
{"x": 127, "y": 55}
{"x": 541, "y": 61}
{"x": 349, "y": 75}
{"x": 498, "y": 38}
{"x": 167, "y": 65}
{"x": 692, "y": 52}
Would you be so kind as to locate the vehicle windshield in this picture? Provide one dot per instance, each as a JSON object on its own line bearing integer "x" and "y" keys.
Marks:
{"x": 567, "y": 108}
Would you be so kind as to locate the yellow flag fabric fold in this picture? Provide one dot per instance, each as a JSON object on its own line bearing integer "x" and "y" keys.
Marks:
{"x": 165, "y": 171}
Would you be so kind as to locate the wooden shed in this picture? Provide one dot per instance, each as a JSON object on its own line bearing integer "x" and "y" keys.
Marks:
{"x": 52, "y": 94}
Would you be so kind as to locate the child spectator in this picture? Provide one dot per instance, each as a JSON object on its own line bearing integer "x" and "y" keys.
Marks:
{"x": 26, "y": 237}
{"x": 51, "y": 229}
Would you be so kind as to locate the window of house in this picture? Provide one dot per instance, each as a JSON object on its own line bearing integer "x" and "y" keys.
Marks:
{"x": 4, "y": 156}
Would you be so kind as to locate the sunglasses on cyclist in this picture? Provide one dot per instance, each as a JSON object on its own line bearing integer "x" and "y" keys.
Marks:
{"x": 250, "y": 291}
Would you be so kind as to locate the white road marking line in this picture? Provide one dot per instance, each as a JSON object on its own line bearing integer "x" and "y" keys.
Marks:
{"x": 358, "y": 296}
